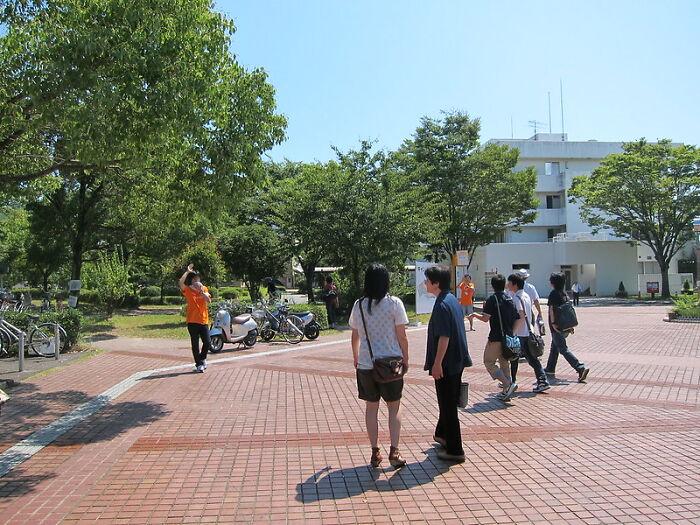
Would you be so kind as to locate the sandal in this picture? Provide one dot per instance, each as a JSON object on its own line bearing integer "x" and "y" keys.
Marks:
{"x": 395, "y": 458}
{"x": 376, "y": 458}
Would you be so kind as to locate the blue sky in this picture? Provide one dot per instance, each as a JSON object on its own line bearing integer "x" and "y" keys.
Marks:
{"x": 357, "y": 69}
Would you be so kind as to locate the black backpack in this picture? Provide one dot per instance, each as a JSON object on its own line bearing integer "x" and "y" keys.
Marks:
{"x": 565, "y": 316}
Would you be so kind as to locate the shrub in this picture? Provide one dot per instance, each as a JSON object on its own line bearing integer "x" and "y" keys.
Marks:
{"x": 171, "y": 290}
{"x": 131, "y": 301}
{"x": 88, "y": 297}
{"x": 149, "y": 291}
{"x": 109, "y": 277}
{"x": 166, "y": 300}
{"x": 686, "y": 306}
{"x": 69, "y": 318}
{"x": 621, "y": 292}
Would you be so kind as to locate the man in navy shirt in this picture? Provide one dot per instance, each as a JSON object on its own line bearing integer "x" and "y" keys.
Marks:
{"x": 445, "y": 358}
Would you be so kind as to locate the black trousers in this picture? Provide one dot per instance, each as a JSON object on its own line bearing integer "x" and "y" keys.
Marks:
{"x": 199, "y": 331}
{"x": 330, "y": 311}
{"x": 534, "y": 362}
{"x": 447, "y": 389}
{"x": 576, "y": 298}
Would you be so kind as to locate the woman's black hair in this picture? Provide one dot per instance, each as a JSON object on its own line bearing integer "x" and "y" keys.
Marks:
{"x": 558, "y": 280}
{"x": 192, "y": 275}
{"x": 498, "y": 282}
{"x": 441, "y": 275}
{"x": 376, "y": 283}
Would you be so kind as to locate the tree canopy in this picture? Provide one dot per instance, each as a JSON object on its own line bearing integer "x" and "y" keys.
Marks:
{"x": 649, "y": 193}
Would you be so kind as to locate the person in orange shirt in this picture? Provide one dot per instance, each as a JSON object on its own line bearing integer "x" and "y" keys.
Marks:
{"x": 466, "y": 298}
{"x": 198, "y": 298}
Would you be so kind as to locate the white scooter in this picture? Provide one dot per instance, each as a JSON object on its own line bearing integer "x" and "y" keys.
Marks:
{"x": 232, "y": 329}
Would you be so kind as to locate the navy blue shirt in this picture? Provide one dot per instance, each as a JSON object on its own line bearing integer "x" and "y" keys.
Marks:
{"x": 447, "y": 320}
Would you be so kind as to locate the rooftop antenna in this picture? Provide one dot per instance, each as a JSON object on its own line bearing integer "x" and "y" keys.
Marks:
{"x": 534, "y": 124}
{"x": 549, "y": 107}
{"x": 561, "y": 99}
{"x": 511, "y": 127}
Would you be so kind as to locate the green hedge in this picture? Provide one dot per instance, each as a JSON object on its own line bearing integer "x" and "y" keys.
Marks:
{"x": 69, "y": 318}
{"x": 166, "y": 300}
{"x": 149, "y": 291}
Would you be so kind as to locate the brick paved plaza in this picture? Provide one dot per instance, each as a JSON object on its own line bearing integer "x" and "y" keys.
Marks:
{"x": 280, "y": 437}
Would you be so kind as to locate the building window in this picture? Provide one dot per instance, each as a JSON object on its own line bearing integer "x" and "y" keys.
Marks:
{"x": 551, "y": 168}
{"x": 521, "y": 266}
{"x": 552, "y": 232}
{"x": 553, "y": 202}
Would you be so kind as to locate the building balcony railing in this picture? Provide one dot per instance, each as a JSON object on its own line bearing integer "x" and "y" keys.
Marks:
{"x": 583, "y": 236}
{"x": 550, "y": 217}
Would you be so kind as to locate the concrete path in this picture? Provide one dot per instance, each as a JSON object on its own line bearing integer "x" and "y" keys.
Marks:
{"x": 275, "y": 434}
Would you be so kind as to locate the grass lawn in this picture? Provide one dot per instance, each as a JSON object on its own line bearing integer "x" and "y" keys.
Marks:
{"x": 170, "y": 326}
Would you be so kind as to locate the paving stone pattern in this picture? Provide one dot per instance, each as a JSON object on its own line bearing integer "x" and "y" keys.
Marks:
{"x": 280, "y": 438}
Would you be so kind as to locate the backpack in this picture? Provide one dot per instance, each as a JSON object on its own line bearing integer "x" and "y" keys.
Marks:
{"x": 565, "y": 316}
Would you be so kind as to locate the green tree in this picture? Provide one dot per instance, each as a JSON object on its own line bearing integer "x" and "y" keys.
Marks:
{"x": 374, "y": 213}
{"x": 649, "y": 193}
{"x": 207, "y": 260}
{"x": 47, "y": 245}
{"x": 98, "y": 98}
{"x": 252, "y": 252}
{"x": 298, "y": 206}
{"x": 472, "y": 190}
{"x": 109, "y": 277}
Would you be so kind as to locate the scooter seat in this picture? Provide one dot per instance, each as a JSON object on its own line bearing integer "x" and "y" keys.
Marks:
{"x": 241, "y": 319}
{"x": 301, "y": 314}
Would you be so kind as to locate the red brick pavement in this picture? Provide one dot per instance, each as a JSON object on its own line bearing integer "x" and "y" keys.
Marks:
{"x": 279, "y": 438}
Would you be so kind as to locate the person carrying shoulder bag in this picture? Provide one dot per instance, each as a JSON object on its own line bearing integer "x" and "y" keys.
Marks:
{"x": 380, "y": 354}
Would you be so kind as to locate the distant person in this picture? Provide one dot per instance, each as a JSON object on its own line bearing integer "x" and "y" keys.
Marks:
{"x": 446, "y": 357}
{"x": 531, "y": 291}
{"x": 466, "y": 298}
{"x": 576, "y": 292}
{"x": 556, "y": 298}
{"x": 499, "y": 301}
{"x": 272, "y": 293}
{"x": 385, "y": 320}
{"x": 523, "y": 306}
{"x": 198, "y": 298}
{"x": 330, "y": 296}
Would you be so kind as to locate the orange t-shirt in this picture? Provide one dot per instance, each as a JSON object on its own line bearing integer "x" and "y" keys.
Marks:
{"x": 466, "y": 298}
{"x": 197, "y": 311}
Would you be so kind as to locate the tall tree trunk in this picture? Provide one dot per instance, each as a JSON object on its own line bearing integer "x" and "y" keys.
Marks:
{"x": 665, "y": 288}
{"x": 308, "y": 269}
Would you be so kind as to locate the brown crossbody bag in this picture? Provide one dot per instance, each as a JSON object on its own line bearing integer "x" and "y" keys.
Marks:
{"x": 385, "y": 369}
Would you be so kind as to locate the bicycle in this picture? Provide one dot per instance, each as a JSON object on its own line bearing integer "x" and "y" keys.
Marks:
{"x": 290, "y": 327}
{"x": 40, "y": 338}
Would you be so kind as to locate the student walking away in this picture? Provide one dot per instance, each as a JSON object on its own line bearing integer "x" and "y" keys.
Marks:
{"x": 378, "y": 321}
{"x": 198, "y": 299}
{"x": 558, "y": 297}
{"x": 523, "y": 328}
{"x": 531, "y": 291}
{"x": 576, "y": 292}
{"x": 446, "y": 357}
{"x": 465, "y": 290}
{"x": 330, "y": 296}
{"x": 499, "y": 311}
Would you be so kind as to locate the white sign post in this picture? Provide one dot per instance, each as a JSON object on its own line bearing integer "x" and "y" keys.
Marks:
{"x": 424, "y": 300}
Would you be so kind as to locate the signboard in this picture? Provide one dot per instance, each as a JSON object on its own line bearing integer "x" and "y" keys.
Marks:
{"x": 652, "y": 287}
{"x": 424, "y": 300}
{"x": 74, "y": 285}
{"x": 462, "y": 258}
{"x": 72, "y": 301}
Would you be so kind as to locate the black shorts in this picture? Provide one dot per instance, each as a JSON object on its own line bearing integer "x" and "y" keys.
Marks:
{"x": 370, "y": 390}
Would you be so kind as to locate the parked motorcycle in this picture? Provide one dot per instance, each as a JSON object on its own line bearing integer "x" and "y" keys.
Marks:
{"x": 312, "y": 328}
{"x": 229, "y": 328}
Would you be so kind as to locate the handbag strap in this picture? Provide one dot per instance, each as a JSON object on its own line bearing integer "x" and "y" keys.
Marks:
{"x": 527, "y": 321}
{"x": 500, "y": 319}
{"x": 364, "y": 324}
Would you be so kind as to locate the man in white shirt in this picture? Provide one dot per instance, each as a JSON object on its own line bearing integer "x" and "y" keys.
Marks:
{"x": 531, "y": 291}
{"x": 523, "y": 304}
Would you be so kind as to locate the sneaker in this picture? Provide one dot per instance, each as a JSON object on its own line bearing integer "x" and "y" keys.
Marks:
{"x": 583, "y": 374}
{"x": 200, "y": 369}
{"x": 500, "y": 385}
{"x": 445, "y": 456}
{"x": 549, "y": 374}
{"x": 204, "y": 364}
{"x": 508, "y": 394}
{"x": 541, "y": 387}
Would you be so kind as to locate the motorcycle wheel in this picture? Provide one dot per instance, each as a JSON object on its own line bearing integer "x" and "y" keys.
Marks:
{"x": 217, "y": 343}
{"x": 266, "y": 334}
{"x": 250, "y": 339}
{"x": 311, "y": 331}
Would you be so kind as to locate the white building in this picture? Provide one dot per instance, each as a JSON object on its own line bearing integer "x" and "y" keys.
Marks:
{"x": 558, "y": 240}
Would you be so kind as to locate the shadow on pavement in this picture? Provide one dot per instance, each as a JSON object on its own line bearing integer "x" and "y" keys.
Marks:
{"x": 329, "y": 484}
{"x": 17, "y": 484}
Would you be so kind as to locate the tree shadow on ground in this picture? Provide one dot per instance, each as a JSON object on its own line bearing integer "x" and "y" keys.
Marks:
{"x": 17, "y": 483}
{"x": 161, "y": 326}
{"x": 30, "y": 410}
{"x": 329, "y": 484}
